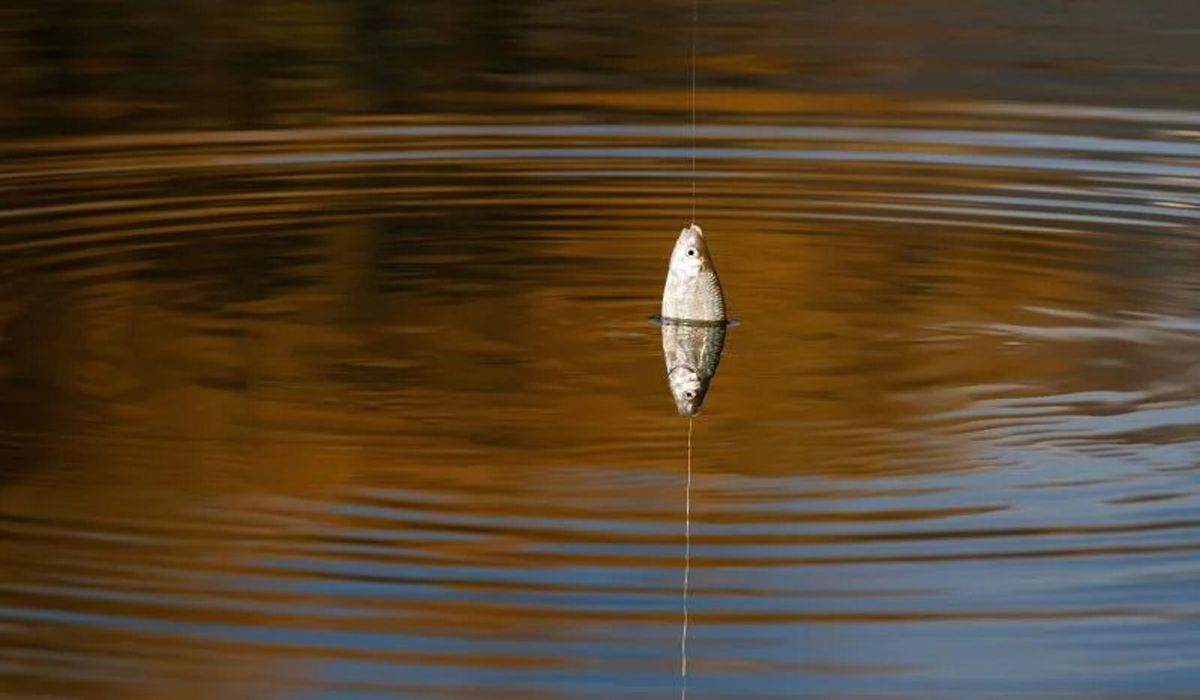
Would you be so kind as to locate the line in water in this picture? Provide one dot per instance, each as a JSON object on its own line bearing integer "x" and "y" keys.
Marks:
{"x": 687, "y": 564}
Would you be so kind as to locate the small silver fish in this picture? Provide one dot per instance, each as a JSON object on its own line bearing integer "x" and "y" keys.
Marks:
{"x": 692, "y": 291}
{"x": 693, "y": 321}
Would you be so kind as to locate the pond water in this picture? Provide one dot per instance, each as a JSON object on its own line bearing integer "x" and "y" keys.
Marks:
{"x": 325, "y": 367}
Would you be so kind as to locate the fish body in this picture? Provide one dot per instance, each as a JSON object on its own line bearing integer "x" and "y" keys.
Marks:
{"x": 693, "y": 321}
{"x": 693, "y": 290}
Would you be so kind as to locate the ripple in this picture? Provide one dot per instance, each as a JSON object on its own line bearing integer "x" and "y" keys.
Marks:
{"x": 374, "y": 407}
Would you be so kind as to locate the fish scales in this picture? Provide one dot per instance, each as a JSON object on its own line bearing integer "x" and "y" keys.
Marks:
{"x": 693, "y": 289}
{"x": 693, "y": 318}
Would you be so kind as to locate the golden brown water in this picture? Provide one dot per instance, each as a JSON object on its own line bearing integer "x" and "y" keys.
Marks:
{"x": 353, "y": 393}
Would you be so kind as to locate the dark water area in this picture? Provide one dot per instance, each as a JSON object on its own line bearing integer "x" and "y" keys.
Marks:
{"x": 325, "y": 368}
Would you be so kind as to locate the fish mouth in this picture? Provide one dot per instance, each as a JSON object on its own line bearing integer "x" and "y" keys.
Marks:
{"x": 691, "y": 233}
{"x": 689, "y": 238}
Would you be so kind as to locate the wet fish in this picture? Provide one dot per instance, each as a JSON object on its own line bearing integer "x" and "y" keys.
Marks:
{"x": 693, "y": 290}
{"x": 693, "y": 321}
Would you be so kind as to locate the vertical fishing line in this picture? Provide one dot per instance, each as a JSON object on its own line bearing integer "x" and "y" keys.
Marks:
{"x": 687, "y": 521}
{"x": 687, "y": 564}
{"x": 695, "y": 13}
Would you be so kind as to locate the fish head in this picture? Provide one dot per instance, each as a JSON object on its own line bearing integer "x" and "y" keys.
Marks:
{"x": 690, "y": 256}
{"x": 688, "y": 389}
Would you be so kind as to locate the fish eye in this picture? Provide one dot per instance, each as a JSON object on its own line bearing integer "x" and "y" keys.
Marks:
{"x": 691, "y": 252}
{"x": 689, "y": 394}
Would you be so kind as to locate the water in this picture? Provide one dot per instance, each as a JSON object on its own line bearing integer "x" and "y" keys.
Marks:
{"x": 325, "y": 368}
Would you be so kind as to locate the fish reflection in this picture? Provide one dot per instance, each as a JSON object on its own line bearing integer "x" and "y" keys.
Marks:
{"x": 692, "y": 350}
{"x": 693, "y": 320}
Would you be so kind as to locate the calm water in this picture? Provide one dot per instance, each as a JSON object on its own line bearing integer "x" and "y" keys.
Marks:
{"x": 325, "y": 367}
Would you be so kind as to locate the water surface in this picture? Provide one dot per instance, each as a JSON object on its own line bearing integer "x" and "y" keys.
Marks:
{"x": 357, "y": 396}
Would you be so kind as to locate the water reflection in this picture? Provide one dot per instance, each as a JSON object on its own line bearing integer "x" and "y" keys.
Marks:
{"x": 330, "y": 376}
{"x": 692, "y": 350}
{"x": 377, "y": 407}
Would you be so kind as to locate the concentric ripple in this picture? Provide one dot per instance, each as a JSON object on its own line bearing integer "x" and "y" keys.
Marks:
{"x": 374, "y": 408}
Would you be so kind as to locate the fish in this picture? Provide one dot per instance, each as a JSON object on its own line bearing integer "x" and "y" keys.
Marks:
{"x": 693, "y": 290}
{"x": 693, "y": 321}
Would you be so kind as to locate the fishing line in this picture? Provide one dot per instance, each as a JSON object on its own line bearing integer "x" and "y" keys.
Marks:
{"x": 695, "y": 13}
{"x": 687, "y": 565}
{"x": 687, "y": 522}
